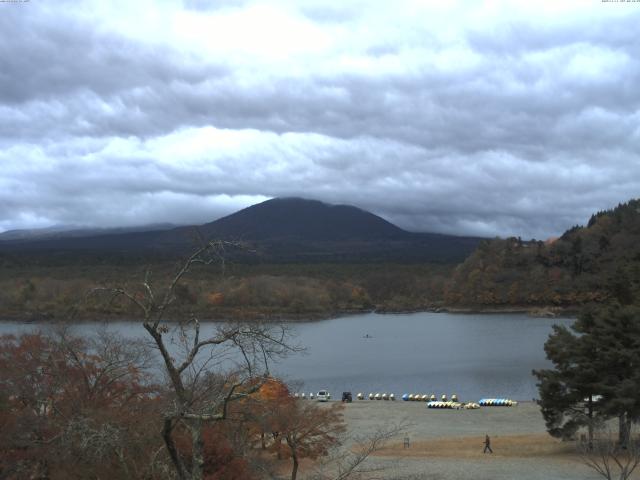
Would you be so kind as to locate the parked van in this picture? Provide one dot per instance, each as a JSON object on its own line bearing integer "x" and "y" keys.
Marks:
{"x": 323, "y": 396}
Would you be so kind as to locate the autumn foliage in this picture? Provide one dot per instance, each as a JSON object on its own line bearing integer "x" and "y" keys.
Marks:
{"x": 592, "y": 264}
{"x": 70, "y": 407}
{"x": 292, "y": 429}
{"x": 67, "y": 405}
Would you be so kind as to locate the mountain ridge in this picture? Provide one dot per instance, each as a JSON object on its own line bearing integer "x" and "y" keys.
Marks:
{"x": 281, "y": 229}
{"x": 296, "y": 218}
{"x": 66, "y": 231}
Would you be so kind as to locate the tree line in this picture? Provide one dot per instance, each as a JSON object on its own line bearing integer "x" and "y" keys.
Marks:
{"x": 247, "y": 292}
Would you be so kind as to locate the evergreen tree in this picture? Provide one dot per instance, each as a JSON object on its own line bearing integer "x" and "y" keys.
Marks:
{"x": 569, "y": 391}
{"x": 596, "y": 372}
{"x": 615, "y": 331}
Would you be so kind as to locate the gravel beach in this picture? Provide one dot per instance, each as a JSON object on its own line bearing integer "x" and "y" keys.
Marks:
{"x": 448, "y": 444}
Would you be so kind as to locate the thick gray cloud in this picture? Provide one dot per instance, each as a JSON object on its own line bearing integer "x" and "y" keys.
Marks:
{"x": 492, "y": 119}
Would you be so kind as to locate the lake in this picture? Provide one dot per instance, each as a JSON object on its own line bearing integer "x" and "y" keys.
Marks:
{"x": 471, "y": 355}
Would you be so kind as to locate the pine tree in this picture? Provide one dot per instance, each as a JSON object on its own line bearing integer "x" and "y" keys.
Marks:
{"x": 615, "y": 332}
{"x": 569, "y": 392}
{"x": 596, "y": 372}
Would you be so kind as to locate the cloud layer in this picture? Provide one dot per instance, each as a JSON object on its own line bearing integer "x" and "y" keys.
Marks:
{"x": 492, "y": 119}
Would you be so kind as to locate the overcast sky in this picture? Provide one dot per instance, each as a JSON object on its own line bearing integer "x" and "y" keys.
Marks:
{"x": 502, "y": 118}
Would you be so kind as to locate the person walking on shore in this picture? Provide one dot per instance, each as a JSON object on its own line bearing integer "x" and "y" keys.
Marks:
{"x": 487, "y": 444}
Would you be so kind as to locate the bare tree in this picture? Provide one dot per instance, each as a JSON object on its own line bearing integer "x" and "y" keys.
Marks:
{"x": 205, "y": 372}
{"x": 609, "y": 458}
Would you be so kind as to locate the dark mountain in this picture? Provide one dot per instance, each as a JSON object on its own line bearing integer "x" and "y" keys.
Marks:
{"x": 280, "y": 230}
{"x": 304, "y": 220}
{"x": 294, "y": 220}
{"x": 300, "y": 230}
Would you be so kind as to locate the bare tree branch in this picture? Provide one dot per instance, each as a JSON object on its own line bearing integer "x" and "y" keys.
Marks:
{"x": 202, "y": 395}
{"x": 351, "y": 464}
{"x": 609, "y": 459}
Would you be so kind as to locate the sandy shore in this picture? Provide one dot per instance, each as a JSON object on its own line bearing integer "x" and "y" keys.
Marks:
{"x": 448, "y": 444}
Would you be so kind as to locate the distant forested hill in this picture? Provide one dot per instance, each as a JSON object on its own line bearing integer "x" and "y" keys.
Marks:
{"x": 594, "y": 263}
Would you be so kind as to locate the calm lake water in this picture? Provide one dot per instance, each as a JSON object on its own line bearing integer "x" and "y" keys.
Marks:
{"x": 474, "y": 356}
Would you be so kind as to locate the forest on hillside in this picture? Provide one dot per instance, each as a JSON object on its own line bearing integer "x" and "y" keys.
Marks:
{"x": 586, "y": 264}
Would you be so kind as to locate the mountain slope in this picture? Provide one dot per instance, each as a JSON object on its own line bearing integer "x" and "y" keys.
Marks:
{"x": 300, "y": 230}
{"x": 279, "y": 230}
{"x": 302, "y": 219}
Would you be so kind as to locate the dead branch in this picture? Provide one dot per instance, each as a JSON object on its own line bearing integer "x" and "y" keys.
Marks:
{"x": 609, "y": 459}
{"x": 352, "y": 464}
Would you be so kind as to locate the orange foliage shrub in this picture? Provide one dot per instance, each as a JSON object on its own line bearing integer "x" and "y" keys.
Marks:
{"x": 215, "y": 298}
{"x": 273, "y": 390}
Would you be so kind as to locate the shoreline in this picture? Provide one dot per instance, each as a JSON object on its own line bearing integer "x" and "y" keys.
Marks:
{"x": 531, "y": 311}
